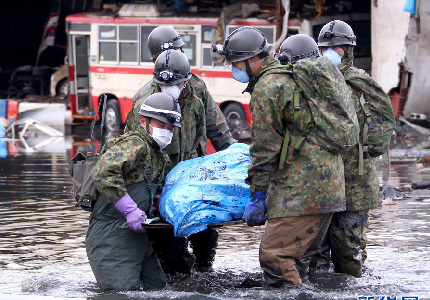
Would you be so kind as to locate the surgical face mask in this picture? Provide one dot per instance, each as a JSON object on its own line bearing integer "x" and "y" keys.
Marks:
{"x": 172, "y": 90}
{"x": 335, "y": 57}
{"x": 163, "y": 137}
{"x": 240, "y": 74}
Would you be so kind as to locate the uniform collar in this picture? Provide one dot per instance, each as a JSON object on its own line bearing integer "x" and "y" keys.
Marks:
{"x": 268, "y": 62}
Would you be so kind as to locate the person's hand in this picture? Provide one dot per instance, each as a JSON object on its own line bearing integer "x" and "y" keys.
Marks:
{"x": 135, "y": 219}
{"x": 255, "y": 210}
{"x": 134, "y": 215}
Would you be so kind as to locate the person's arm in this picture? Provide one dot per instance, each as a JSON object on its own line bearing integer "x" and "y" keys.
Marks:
{"x": 217, "y": 130}
{"x": 120, "y": 159}
{"x": 267, "y": 107}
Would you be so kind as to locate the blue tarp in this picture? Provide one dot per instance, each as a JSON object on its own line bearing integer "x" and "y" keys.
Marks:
{"x": 410, "y": 7}
{"x": 206, "y": 190}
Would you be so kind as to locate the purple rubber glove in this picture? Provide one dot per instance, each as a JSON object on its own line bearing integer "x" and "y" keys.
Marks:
{"x": 134, "y": 215}
{"x": 255, "y": 210}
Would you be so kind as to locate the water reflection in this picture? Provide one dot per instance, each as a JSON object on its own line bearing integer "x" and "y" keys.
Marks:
{"x": 42, "y": 241}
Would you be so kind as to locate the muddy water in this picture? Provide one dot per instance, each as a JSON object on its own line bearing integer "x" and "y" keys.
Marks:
{"x": 42, "y": 236}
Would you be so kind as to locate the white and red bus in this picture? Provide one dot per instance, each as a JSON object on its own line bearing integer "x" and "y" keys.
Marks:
{"x": 109, "y": 54}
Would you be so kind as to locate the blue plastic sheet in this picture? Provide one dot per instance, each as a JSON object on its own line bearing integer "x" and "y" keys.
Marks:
{"x": 206, "y": 190}
{"x": 409, "y": 7}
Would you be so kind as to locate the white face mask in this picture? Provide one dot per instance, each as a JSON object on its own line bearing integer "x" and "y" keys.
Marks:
{"x": 163, "y": 137}
{"x": 172, "y": 90}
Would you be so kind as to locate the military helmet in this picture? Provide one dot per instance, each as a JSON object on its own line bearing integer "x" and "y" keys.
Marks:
{"x": 243, "y": 43}
{"x": 172, "y": 67}
{"x": 297, "y": 47}
{"x": 162, "y": 107}
{"x": 336, "y": 33}
{"x": 163, "y": 38}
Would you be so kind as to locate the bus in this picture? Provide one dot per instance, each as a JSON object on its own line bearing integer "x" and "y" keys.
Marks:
{"x": 108, "y": 54}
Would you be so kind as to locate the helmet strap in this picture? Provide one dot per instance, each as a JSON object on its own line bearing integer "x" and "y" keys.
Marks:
{"x": 348, "y": 57}
{"x": 148, "y": 119}
{"x": 248, "y": 68}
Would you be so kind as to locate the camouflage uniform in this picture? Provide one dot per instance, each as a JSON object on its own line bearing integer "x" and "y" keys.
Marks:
{"x": 202, "y": 119}
{"x": 347, "y": 231}
{"x": 216, "y": 130}
{"x": 302, "y": 196}
{"x": 120, "y": 258}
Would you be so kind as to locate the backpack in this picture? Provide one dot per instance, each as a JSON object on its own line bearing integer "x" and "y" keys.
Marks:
{"x": 335, "y": 121}
{"x": 81, "y": 168}
{"x": 379, "y": 121}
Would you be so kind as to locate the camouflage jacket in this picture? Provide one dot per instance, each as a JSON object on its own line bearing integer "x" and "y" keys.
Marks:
{"x": 194, "y": 98}
{"x": 124, "y": 162}
{"x": 186, "y": 141}
{"x": 362, "y": 191}
{"x": 311, "y": 182}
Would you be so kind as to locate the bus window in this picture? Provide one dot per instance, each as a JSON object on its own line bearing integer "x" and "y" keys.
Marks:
{"x": 269, "y": 32}
{"x": 207, "y": 58}
{"x": 107, "y": 43}
{"x": 145, "y": 55}
{"x": 207, "y": 34}
{"x": 190, "y": 48}
{"x": 128, "y": 44}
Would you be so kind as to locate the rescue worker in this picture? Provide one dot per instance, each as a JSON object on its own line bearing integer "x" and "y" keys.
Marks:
{"x": 300, "y": 198}
{"x": 128, "y": 172}
{"x": 346, "y": 235}
{"x": 201, "y": 119}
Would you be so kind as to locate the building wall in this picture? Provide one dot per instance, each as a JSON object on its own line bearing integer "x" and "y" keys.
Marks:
{"x": 389, "y": 29}
{"x": 417, "y": 62}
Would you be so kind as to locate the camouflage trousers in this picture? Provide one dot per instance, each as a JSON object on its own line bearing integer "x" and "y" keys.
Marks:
{"x": 347, "y": 240}
{"x": 286, "y": 243}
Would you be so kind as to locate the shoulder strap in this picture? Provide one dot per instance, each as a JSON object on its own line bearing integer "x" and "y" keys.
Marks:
{"x": 147, "y": 168}
{"x": 300, "y": 138}
{"x": 363, "y": 148}
{"x": 275, "y": 70}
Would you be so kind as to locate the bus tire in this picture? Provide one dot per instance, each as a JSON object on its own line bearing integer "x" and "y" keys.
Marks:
{"x": 236, "y": 119}
{"x": 62, "y": 88}
{"x": 113, "y": 116}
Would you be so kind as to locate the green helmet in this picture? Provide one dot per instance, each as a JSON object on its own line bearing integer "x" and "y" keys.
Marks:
{"x": 172, "y": 67}
{"x": 243, "y": 43}
{"x": 162, "y": 107}
{"x": 336, "y": 33}
{"x": 297, "y": 47}
{"x": 163, "y": 38}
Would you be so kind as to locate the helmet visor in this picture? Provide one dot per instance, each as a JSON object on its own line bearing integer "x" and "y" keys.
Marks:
{"x": 171, "y": 116}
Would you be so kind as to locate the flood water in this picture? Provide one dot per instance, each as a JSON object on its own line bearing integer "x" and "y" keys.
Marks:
{"x": 42, "y": 252}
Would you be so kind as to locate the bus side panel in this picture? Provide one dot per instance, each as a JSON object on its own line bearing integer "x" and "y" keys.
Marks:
{"x": 119, "y": 84}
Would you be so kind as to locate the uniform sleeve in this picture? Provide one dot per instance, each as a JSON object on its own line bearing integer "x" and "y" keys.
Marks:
{"x": 200, "y": 128}
{"x": 217, "y": 130}
{"x": 120, "y": 159}
{"x": 267, "y": 103}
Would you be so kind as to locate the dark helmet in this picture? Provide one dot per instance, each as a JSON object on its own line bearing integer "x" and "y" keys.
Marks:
{"x": 172, "y": 67}
{"x": 163, "y": 38}
{"x": 243, "y": 43}
{"x": 162, "y": 107}
{"x": 336, "y": 33}
{"x": 297, "y": 47}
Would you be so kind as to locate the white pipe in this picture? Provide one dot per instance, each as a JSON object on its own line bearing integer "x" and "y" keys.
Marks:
{"x": 286, "y": 5}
